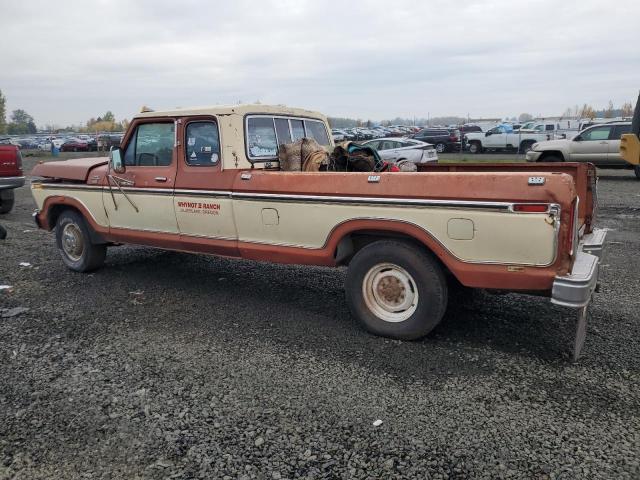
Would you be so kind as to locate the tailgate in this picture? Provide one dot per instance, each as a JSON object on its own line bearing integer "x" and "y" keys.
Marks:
{"x": 584, "y": 177}
{"x": 10, "y": 161}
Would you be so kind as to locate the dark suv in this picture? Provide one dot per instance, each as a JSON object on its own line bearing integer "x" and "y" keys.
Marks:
{"x": 443, "y": 139}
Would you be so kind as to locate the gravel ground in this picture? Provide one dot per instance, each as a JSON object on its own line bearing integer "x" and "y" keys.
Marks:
{"x": 169, "y": 365}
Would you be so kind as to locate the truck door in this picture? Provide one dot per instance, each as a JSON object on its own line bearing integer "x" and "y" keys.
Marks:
{"x": 141, "y": 198}
{"x": 202, "y": 198}
{"x": 497, "y": 138}
{"x": 592, "y": 145}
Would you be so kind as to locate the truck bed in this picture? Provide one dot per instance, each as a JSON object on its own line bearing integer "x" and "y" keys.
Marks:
{"x": 584, "y": 176}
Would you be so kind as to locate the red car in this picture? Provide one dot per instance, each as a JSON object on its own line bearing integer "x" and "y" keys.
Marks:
{"x": 11, "y": 175}
{"x": 74, "y": 146}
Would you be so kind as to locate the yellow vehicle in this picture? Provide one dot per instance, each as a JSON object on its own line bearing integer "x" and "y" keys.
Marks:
{"x": 630, "y": 142}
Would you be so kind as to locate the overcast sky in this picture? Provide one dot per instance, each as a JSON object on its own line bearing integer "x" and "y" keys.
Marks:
{"x": 67, "y": 61}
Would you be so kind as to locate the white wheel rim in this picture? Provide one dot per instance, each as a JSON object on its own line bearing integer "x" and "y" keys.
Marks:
{"x": 72, "y": 241}
{"x": 390, "y": 292}
{"x": 439, "y": 148}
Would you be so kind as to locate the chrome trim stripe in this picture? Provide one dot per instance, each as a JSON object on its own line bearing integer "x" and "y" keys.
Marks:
{"x": 64, "y": 186}
{"x": 203, "y": 193}
{"x": 375, "y": 200}
{"x": 294, "y": 198}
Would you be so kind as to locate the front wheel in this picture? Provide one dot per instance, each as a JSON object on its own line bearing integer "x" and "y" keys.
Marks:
{"x": 73, "y": 240}
{"x": 440, "y": 147}
{"x": 526, "y": 146}
{"x": 396, "y": 289}
{"x": 475, "y": 147}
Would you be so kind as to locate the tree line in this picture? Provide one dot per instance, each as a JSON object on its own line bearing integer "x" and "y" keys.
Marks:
{"x": 21, "y": 123}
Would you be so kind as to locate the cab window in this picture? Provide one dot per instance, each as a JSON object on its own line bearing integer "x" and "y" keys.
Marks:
{"x": 151, "y": 145}
{"x": 317, "y": 131}
{"x": 202, "y": 145}
{"x": 261, "y": 137}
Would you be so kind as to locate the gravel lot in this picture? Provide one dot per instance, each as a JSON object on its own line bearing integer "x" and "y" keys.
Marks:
{"x": 170, "y": 365}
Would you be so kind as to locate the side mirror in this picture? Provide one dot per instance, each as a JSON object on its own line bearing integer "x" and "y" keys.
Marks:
{"x": 115, "y": 159}
{"x": 487, "y": 134}
{"x": 577, "y": 138}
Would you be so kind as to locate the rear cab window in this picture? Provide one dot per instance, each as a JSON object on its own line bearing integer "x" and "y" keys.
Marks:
{"x": 265, "y": 133}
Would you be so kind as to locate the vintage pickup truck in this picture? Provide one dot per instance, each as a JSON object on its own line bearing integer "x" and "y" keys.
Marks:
{"x": 207, "y": 181}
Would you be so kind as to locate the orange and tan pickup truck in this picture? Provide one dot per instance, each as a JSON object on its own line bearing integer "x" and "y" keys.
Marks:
{"x": 206, "y": 180}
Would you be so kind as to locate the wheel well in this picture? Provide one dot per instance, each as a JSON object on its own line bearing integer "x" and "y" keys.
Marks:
{"x": 56, "y": 210}
{"x": 353, "y": 242}
{"x": 551, "y": 153}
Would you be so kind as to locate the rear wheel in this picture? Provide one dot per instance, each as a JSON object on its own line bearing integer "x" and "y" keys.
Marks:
{"x": 73, "y": 239}
{"x": 440, "y": 147}
{"x": 7, "y": 199}
{"x": 396, "y": 289}
{"x": 475, "y": 147}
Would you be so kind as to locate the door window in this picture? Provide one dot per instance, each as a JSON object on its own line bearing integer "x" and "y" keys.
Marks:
{"x": 202, "y": 144}
{"x": 151, "y": 145}
{"x": 598, "y": 133}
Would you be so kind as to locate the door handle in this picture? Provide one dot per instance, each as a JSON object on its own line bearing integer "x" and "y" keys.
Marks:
{"x": 161, "y": 179}
{"x": 604, "y": 143}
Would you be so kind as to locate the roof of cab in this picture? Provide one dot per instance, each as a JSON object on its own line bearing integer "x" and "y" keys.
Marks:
{"x": 242, "y": 109}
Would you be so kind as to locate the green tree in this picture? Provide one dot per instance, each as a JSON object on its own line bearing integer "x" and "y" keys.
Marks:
{"x": 109, "y": 117}
{"x": 21, "y": 123}
{"x": 3, "y": 113}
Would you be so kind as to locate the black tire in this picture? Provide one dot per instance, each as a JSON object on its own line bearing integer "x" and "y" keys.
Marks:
{"x": 475, "y": 147}
{"x": 441, "y": 147}
{"x": 526, "y": 146}
{"x": 73, "y": 240}
{"x": 377, "y": 264}
{"x": 7, "y": 199}
{"x": 3, "y": 233}
{"x": 551, "y": 158}
{"x": 636, "y": 170}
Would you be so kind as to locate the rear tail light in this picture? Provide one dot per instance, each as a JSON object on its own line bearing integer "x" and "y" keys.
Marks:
{"x": 19, "y": 160}
{"x": 573, "y": 233}
{"x": 531, "y": 207}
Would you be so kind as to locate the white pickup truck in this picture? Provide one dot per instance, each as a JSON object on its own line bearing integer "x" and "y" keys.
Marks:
{"x": 498, "y": 138}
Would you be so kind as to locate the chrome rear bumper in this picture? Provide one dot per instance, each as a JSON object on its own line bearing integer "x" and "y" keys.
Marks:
{"x": 11, "y": 182}
{"x": 575, "y": 289}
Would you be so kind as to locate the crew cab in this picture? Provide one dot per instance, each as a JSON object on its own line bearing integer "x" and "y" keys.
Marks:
{"x": 207, "y": 180}
{"x": 11, "y": 176}
{"x": 503, "y": 138}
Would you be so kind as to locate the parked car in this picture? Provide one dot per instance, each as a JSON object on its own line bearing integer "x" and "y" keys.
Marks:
{"x": 11, "y": 176}
{"x": 442, "y": 138}
{"x": 395, "y": 150}
{"x": 599, "y": 144}
{"x": 74, "y": 146}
